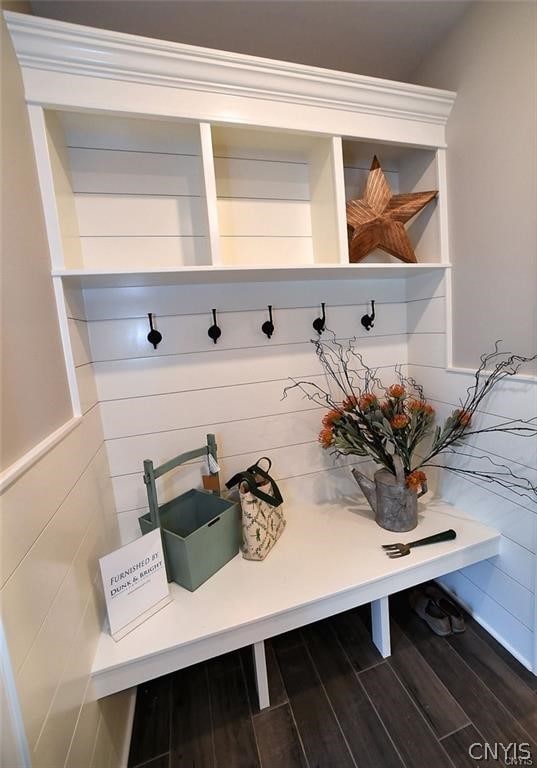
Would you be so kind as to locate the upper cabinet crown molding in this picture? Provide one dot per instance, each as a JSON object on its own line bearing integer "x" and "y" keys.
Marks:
{"x": 51, "y": 46}
{"x": 161, "y": 161}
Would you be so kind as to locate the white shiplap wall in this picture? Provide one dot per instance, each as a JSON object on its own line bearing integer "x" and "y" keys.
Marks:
{"x": 57, "y": 519}
{"x": 501, "y": 591}
{"x": 158, "y": 403}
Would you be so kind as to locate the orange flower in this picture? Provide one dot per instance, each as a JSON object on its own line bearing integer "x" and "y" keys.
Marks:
{"x": 330, "y": 417}
{"x": 367, "y": 401}
{"x": 396, "y": 390}
{"x": 326, "y": 437}
{"x": 416, "y": 480}
{"x": 399, "y": 421}
{"x": 349, "y": 403}
{"x": 463, "y": 417}
{"x": 420, "y": 405}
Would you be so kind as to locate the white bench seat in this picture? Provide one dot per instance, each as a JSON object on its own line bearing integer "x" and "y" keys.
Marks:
{"x": 328, "y": 560}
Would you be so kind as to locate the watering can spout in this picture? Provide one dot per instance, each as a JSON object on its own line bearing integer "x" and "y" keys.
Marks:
{"x": 368, "y": 488}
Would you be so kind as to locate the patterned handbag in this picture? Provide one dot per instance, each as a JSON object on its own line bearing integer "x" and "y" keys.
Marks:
{"x": 263, "y": 520}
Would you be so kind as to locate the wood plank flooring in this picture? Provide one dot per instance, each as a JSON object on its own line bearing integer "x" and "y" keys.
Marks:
{"x": 337, "y": 704}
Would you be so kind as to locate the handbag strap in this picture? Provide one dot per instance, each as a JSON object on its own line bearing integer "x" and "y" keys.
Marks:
{"x": 276, "y": 499}
{"x": 256, "y": 468}
{"x": 249, "y": 478}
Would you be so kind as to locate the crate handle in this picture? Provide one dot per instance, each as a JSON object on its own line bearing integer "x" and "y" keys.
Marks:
{"x": 151, "y": 473}
{"x": 216, "y": 519}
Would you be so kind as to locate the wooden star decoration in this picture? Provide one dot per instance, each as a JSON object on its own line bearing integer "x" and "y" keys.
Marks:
{"x": 378, "y": 219}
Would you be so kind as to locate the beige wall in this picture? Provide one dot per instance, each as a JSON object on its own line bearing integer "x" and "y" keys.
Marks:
{"x": 35, "y": 398}
{"x": 60, "y": 512}
{"x": 490, "y": 60}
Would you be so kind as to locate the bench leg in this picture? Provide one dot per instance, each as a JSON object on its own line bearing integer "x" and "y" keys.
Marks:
{"x": 261, "y": 678}
{"x": 380, "y": 621}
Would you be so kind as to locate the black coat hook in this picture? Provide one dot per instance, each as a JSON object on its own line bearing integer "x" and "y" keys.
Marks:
{"x": 214, "y": 331}
{"x": 320, "y": 322}
{"x": 368, "y": 321}
{"x": 154, "y": 337}
{"x": 268, "y": 325}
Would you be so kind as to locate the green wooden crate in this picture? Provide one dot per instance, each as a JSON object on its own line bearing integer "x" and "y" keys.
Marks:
{"x": 200, "y": 533}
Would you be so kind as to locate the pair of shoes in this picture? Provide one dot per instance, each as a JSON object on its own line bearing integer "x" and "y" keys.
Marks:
{"x": 441, "y": 615}
{"x": 446, "y": 605}
{"x": 427, "y": 609}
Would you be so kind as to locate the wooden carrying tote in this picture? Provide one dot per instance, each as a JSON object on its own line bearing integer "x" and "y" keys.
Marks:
{"x": 200, "y": 531}
{"x": 263, "y": 520}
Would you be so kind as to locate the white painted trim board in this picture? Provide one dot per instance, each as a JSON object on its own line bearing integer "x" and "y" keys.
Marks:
{"x": 22, "y": 465}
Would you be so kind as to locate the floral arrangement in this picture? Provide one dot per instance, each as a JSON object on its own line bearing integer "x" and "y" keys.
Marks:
{"x": 366, "y": 418}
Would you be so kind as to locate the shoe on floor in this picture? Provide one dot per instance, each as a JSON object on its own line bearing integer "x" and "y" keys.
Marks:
{"x": 446, "y": 605}
{"x": 427, "y": 609}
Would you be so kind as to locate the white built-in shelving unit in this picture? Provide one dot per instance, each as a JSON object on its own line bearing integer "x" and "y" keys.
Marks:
{"x": 194, "y": 201}
{"x": 162, "y": 161}
{"x": 162, "y": 164}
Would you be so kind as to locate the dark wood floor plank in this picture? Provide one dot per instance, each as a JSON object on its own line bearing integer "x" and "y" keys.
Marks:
{"x": 287, "y": 640}
{"x": 355, "y": 637}
{"x": 520, "y": 671}
{"x": 365, "y": 734}
{"x": 234, "y": 741}
{"x": 191, "y": 723}
{"x": 515, "y": 695}
{"x": 329, "y": 715}
{"x": 151, "y": 726}
{"x": 317, "y": 726}
{"x": 277, "y": 739}
{"x": 159, "y": 762}
{"x": 277, "y": 693}
{"x": 432, "y": 698}
{"x": 413, "y": 738}
{"x": 483, "y": 708}
{"x": 467, "y": 750}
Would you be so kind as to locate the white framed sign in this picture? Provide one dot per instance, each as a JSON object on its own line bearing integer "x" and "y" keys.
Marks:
{"x": 135, "y": 583}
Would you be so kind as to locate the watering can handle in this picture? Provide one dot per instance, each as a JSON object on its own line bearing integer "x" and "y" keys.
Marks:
{"x": 424, "y": 488}
{"x": 399, "y": 470}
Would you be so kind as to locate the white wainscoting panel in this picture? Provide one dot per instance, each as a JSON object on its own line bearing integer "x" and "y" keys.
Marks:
{"x": 58, "y": 518}
{"x": 501, "y": 592}
{"x": 493, "y": 615}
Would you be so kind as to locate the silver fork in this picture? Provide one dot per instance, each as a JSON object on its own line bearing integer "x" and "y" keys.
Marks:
{"x": 400, "y": 550}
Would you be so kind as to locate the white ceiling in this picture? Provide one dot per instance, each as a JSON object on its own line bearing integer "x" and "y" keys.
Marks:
{"x": 381, "y": 38}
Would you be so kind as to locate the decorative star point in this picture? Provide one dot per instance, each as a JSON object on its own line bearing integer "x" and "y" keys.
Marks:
{"x": 378, "y": 219}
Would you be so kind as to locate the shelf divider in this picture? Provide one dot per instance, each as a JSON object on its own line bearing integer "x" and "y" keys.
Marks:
{"x": 207, "y": 159}
{"x": 327, "y": 197}
{"x": 340, "y": 201}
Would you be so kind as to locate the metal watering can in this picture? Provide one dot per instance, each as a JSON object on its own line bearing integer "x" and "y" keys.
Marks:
{"x": 394, "y": 504}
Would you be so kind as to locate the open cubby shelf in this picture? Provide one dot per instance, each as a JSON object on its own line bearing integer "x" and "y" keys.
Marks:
{"x": 150, "y": 200}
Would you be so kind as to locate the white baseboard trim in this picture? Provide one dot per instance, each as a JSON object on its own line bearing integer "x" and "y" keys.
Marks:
{"x": 22, "y": 465}
{"x": 486, "y": 626}
{"x": 124, "y": 756}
